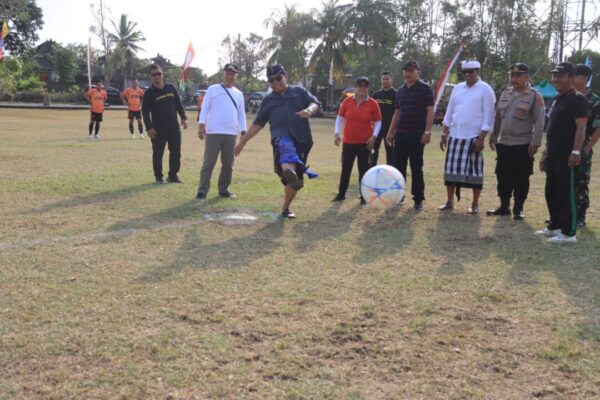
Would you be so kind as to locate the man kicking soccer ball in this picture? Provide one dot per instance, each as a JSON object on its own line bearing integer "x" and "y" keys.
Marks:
{"x": 287, "y": 109}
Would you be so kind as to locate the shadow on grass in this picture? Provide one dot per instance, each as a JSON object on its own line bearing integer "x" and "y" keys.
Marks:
{"x": 456, "y": 239}
{"x": 576, "y": 267}
{"x": 385, "y": 235}
{"x": 93, "y": 199}
{"x": 229, "y": 254}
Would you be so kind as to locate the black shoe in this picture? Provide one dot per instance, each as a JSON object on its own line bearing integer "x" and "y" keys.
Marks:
{"x": 500, "y": 211}
{"x": 174, "y": 179}
{"x": 518, "y": 215}
{"x": 418, "y": 205}
{"x": 200, "y": 196}
{"x": 159, "y": 181}
{"x": 288, "y": 214}
{"x": 227, "y": 195}
{"x": 339, "y": 197}
{"x": 581, "y": 222}
{"x": 362, "y": 201}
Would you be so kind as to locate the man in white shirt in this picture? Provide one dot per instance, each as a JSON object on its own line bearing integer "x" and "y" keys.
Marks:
{"x": 469, "y": 118}
{"x": 222, "y": 117}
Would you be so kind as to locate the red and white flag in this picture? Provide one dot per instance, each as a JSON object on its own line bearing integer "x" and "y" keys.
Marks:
{"x": 441, "y": 86}
{"x": 189, "y": 57}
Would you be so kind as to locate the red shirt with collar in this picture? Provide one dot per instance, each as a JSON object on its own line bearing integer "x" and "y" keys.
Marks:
{"x": 360, "y": 119}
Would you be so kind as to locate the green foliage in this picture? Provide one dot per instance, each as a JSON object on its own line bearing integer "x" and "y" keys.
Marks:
{"x": 18, "y": 74}
{"x": 64, "y": 61}
{"x": 25, "y": 19}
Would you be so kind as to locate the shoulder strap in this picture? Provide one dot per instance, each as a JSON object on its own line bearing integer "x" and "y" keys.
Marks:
{"x": 229, "y": 94}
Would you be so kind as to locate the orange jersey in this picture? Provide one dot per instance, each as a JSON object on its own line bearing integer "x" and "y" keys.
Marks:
{"x": 200, "y": 100}
{"x": 134, "y": 98}
{"x": 97, "y": 99}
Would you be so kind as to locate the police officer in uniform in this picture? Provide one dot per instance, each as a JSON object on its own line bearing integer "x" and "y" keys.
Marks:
{"x": 517, "y": 135}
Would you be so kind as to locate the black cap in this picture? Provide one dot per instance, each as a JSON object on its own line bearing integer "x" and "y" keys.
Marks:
{"x": 231, "y": 67}
{"x": 582, "y": 69}
{"x": 519, "y": 68}
{"x": 564, "y": 68}
{"x": 276, "y": 69}
{"x": 412, "y": 64}
{"x": 362, "y": 79}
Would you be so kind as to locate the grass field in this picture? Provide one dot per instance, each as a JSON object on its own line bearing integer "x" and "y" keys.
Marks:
{"x": 113, "y": 287}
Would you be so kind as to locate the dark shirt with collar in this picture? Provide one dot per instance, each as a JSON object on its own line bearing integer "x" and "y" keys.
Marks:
{"x": 594, "y": 117}
{"x": 387, "y": 104}
{"x": 562, "y": 128}
{"x": 160, "y": 107}
{"x": 412, "y": 103}
{"x": 279, "y": 110}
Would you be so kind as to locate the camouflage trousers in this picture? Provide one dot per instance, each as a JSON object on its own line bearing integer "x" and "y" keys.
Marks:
{"x": 582, "y": 182}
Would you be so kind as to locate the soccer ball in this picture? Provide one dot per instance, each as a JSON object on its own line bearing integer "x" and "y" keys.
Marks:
{"x": 382, "y": 186}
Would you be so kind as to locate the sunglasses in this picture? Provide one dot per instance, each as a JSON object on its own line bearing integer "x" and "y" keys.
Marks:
{"x": 468, "y": 71}
{"x": 275, "y": 78}
{"x": 362, "y": 86}
{"x": 156, "y": 74}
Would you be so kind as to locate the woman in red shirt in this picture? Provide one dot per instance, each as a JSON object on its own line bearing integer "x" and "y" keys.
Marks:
{"x": 361, "y": 118}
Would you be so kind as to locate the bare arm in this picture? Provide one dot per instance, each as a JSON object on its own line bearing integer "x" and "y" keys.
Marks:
{"x": 253, "y": 131}
{"x": 391, "y": 133}
{"x": 575, "y": 160}
{"x": 428, "y": 124}
{"x": 594, "y": 139}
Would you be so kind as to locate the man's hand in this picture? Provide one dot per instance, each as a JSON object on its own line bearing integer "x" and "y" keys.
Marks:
{"x": 371, "y": 143}
{"x": 151, "y": 132}
{"x": 493, "y": 144}
{"x": 532, "y": 150}
{"x": 304, "y": 114}
{"x": 479, "y": 144}
{"x": 389, "y": 139}
{"x": 201, "y": 131}
{"x": 337, "y": 140}
{"x": 443, "y": 142}
{"x": 238, "y": 149}
{"x": 574, "y": 160}
{"x": 426, "y": 138}
{"x": 543, "y": 164}
{"x": 184, "y": 123}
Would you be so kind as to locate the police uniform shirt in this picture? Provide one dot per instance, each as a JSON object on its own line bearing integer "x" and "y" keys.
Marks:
{"x": 520, "y": 118}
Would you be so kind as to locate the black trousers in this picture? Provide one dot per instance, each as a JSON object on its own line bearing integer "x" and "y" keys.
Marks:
{"x": 513, "y": 168}
{"x": 408, "y": 147}
{"x": 560, "y": 196}
{"x": 389, "y": 150}
{"x": 351, "y": 152}
{"x": 171, "y": 138}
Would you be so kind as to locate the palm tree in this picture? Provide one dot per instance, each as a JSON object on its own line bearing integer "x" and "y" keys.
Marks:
{"x": 126, "y": 39}
{"x": 332, "y": 47}
{"x": 291, "y": 32}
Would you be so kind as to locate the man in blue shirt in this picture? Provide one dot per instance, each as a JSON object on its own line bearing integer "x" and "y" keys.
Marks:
{"x": 286, "y": 109}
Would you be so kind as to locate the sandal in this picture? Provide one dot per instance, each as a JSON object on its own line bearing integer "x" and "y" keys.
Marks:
{"x": 473, "y": 210}
{"x": 446, "y": 207}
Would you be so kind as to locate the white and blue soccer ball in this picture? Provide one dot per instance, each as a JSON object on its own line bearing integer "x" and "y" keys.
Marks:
{"x": 383, "y": 186}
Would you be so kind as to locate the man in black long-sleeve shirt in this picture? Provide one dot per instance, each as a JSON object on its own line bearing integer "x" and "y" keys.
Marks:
{"x": 386, "y": 98}
{"x": 160, "y": 106}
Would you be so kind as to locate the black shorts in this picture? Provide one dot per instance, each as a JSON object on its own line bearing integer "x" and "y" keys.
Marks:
{"x": 302, "y": 150}
{"x": 134, "y": 114}
{"x": 96, "y": 117}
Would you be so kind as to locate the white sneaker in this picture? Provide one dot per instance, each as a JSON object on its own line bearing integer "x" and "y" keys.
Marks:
{"x": 547, "y": 232}
{"x": 90, "y": 136}
{"x": 141, "y": 135}
{"x": 562, "y": 238}
{"x": 132, "y": 136}
{"x": 96, "y": 136}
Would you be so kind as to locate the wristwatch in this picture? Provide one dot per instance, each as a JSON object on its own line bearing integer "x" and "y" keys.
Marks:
{"x": 576, "y": 152}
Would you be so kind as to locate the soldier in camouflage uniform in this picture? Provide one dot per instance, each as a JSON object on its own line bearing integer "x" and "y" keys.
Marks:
{"x": 592, "y": 134}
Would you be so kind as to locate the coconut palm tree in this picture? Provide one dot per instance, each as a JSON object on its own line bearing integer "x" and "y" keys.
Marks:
{"x": 126, "y": 39}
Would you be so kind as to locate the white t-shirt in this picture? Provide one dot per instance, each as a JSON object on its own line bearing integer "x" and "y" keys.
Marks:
{"x": 470, "y": 110}
{"x": 219, "y": 114}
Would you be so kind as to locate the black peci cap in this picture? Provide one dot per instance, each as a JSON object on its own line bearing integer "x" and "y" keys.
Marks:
{"x": 231, "y": 67}
{"x": 412, "y": 64}
{"x": 564, "y": 68}
{"x": 519, "y": 68}
{"x": 583, "y": 70}
{"x": 362, "y": 79}
{"x": 276, "y": 69}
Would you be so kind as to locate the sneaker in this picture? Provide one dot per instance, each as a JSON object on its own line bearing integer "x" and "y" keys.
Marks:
{"x": 96, "y": 137}
{"x": 200, "y": 196}
{"x": 362, "y": 201}
{"x": 132, "y": 136}
{"x": 500, "y": 211}
{"x": 547, "y": 232}
{"x": 90, "y": 136}
{"x": 581, "y": 223}
{"x": 418, "y": 205}
{"x": 288, "y": 214}
{"x": 159, "y": 181}
{"x": 174, "y": 179}
{"x": 141, "y": 135}
{"x": 227, "y": 195}
{"x": 446, "y": 207}
{"x": 518, "y": 215}
{"x": 562, "y": 238}
{"x": 473, "y": 210}
{"x": 339, "y": 197}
